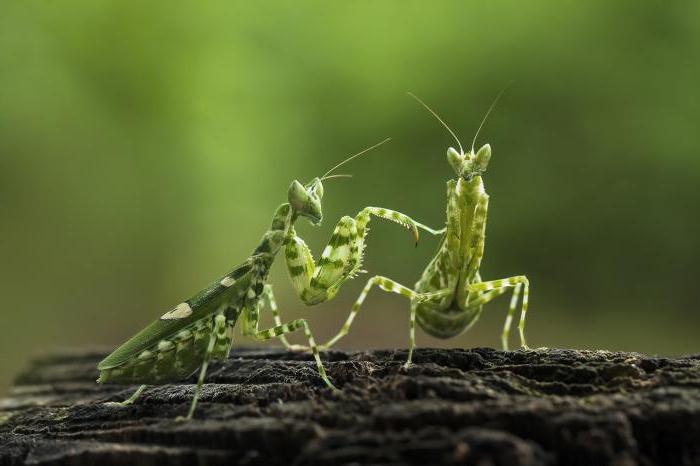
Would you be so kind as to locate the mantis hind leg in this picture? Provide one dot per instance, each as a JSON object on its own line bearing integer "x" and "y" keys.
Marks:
{"x": 391, "y": 286}
{"x": 488, "y": 297}
{"x": 130, "y": 400}
{"x": 272, "y": 303}
{"x": 491, "y": 289}
{"x": 509, "y": 320}
{"x": 216, "y": 334}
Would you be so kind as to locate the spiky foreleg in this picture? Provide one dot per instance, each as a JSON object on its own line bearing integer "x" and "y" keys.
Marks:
{"x": 511, "y": 282}
{"x": 363, "y": 219}
{"x": 432, "y": 231}
{"x": 341, "y": 258}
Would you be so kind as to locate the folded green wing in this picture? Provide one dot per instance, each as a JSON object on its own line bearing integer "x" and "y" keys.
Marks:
{"x": 231, "y": 287}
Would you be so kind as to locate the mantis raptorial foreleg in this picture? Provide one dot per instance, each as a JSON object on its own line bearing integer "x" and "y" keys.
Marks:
{"x": 341, "y": 258}
{"x": 432, "y": 231}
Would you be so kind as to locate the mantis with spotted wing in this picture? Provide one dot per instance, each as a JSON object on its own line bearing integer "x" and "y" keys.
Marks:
{"x": 450, "y": 294}
{"x": 200, "y": 329}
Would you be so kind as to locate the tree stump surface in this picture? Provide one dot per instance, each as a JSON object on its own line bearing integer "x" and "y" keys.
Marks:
{"x": 268, "y": 407}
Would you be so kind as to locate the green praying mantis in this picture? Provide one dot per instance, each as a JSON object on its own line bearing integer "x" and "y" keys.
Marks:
{"x": 450, "y": 294}
{"x": 186, "y": 338}
{"x": 446, "y": 301}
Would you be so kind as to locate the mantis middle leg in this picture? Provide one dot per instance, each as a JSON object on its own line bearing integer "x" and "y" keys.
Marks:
{"x": 251, "y": 329}
{"x": 390, "y": 286}
{"x": 269, "y": 298}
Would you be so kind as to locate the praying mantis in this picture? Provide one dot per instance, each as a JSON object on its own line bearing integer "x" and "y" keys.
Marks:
{"x": 450, "y": 294}
{"x": 446, "y": 301}
{"x": 187, "y": 337}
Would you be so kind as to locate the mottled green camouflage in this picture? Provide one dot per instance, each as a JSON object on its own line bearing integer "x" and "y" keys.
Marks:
{"x": 195, "y": 331}
{"x": 450, "y": 294}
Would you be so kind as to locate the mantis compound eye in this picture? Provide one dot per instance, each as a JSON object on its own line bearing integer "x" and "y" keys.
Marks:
{"x": 297, "y": 196}
{"x": 304, "y": 202}
{"x": 456, "y": 160}
{"x": 481, "y": 160}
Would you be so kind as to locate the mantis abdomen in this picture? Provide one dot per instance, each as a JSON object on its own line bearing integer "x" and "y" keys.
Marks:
{"x": 172, "y": 359}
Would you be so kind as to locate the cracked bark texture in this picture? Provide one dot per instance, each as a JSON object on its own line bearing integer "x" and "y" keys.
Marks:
{"x": 267, "y": 407}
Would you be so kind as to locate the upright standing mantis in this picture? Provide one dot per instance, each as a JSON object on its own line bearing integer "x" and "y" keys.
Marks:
{"x": 200, "y": 329}
{"x": 449, "y": 297}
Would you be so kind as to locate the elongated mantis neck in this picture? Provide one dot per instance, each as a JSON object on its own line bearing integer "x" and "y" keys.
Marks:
{"x": 274, "y": 238}
{"x": 284, "y": 218}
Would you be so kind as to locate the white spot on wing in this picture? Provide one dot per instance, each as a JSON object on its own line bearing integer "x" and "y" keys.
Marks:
{"x": 227, "y": 281}
{"x": 180, "y": 311}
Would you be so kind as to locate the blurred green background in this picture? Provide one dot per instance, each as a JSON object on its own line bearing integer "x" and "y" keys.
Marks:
{"x": 145, "y": 145}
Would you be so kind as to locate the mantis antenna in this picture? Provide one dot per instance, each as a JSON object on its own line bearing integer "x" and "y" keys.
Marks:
{"x": 439, "y": 119}
{"x": 488, "y": 112}
{"x": 336, "y": 176}
{"x": 354, "y": 156}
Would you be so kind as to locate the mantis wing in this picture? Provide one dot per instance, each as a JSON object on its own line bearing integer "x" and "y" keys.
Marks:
{"x": 230, "y": 288}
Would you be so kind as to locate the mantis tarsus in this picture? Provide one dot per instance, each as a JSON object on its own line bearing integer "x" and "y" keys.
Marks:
{"x": 200, "y": 329}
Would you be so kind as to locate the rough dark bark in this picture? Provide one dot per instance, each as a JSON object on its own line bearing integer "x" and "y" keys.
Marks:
{"x": 266, "y": 407}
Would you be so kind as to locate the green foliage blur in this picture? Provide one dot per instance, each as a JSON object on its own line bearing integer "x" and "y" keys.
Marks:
{"x": 145, "y": 145}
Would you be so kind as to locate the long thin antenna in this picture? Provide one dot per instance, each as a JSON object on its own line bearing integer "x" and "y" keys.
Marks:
{"x": 439, "y": 119}
{"x": 493, "y": 104}
{"x": 356, "y": 155}
{"x": 343, "y": 175}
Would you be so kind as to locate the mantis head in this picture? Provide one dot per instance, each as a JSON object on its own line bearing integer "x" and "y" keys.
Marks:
{"x": 470, "y": 164}
{"x": 306, "y": 199}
